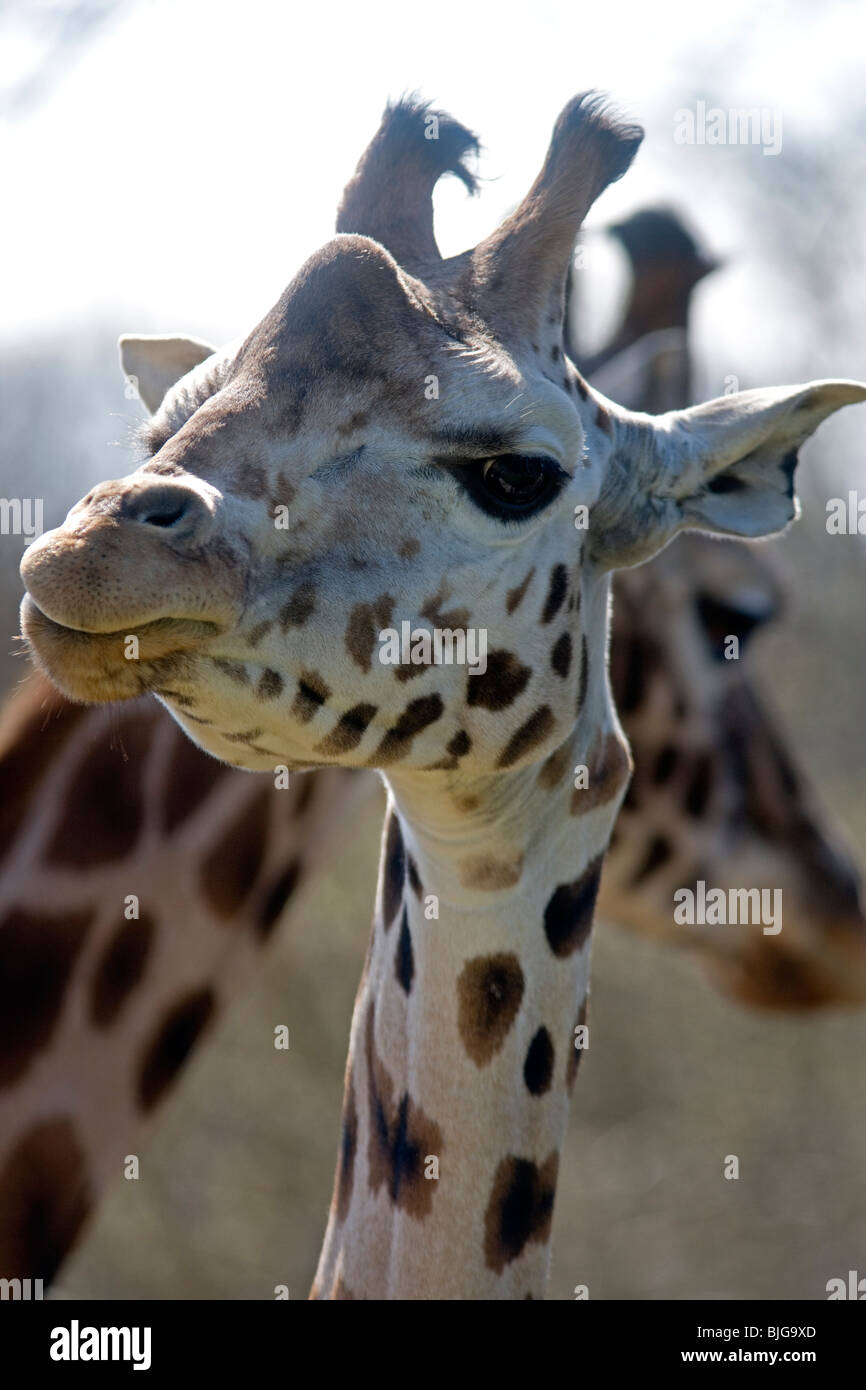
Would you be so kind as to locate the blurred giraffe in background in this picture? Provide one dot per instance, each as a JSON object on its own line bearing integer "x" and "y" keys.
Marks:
{"x": 716, "y": 794}
{"x": 647, "y": 359}
{"x": 99, "y": 1013}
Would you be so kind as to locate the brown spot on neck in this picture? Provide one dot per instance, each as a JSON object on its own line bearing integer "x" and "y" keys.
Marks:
{"x": 520, "y": 1208}
{"x": 44, "y": 1200}
{"x": 489, "y": 994}
{"x": 401, "y": 1135}
{"x": 568, "y": 915}
{"x": 249, "y": 479}
{"x": 486, "y": 873}
{"x": 230, "y": 871}
{"x": 539, "y": 1064}
{"x": 276, "y": 898}
{"x": 120, "y": 969}
{"x": 103, "y": 808}
{"x": 37, "y": 953}
{"x": 414, "y": 877}
{"x": 404, "y": 960}
{"x": 172, "y": 1043}
{"x": 348, "y": 1148}
{"x": 36, "y": 726}
{"x": 358, "y": 420}
{"x": 393, "y": 869}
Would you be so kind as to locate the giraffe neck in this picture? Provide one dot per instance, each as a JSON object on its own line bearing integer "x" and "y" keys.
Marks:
{"x": 462, "y": 1049}
{"x": 660, "y": 299}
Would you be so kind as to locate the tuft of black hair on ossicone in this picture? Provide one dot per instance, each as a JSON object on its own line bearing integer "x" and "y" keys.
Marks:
{"x": 389, "y": 197}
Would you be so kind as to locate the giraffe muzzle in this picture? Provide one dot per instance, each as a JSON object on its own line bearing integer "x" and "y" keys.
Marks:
{"x": 134, "y": 552}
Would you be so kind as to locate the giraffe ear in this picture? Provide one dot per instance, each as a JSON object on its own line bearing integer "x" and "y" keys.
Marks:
{"x": 726, "y": 467}
{"x": 153, "y": 364}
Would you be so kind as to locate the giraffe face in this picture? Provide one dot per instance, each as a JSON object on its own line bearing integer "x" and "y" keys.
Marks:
{"x": 324, "y": 495}
{"x": 414, "y": 424}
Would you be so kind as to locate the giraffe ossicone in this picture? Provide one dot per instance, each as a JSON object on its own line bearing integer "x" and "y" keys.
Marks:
{"x": 457, "y": 509}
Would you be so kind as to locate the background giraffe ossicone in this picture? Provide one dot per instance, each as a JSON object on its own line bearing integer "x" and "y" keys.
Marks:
{"x": 184, "y": 553}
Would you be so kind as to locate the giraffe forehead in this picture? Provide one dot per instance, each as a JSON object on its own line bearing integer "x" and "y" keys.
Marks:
{"x": 355, "y": 345}
{"x": 350, "y": 311}
{"x": 283, "y": 412}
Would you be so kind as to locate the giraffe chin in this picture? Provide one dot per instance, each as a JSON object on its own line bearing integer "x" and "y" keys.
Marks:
{"x": 104, "y": 667}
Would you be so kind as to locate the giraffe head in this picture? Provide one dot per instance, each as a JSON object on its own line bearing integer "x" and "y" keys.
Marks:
{"x": 436, "y": 458}
{"x": 666, "y": 262}
{"x": 715, "y": 794}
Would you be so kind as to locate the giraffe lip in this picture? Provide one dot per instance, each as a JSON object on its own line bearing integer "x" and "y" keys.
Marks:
{"x": 99, "y": 666}
{"x": 192, "y": 627}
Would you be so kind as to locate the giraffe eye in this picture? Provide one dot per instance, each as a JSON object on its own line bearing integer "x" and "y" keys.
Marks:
{"x": 514, "y": 485}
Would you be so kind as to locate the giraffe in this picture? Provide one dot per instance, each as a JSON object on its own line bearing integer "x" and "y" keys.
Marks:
{"x": 706, "y": 753}
{"x": 721, "y": 799}
{"x": 666, "y": 265}
{"x": 482, "y": 818}
{"x": 154, "y": 810}
{"x": 139, "y": 880}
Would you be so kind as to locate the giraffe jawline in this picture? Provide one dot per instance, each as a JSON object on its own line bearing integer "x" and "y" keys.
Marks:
{"x": 102, "y": 667}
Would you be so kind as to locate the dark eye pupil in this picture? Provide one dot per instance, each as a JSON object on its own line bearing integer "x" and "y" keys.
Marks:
{"x": 513, "y": 479}
{"x": 510, "y": 487}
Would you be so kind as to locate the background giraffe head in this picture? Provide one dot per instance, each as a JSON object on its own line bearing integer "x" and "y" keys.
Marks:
{"x": 716, "y": 793}
{"x": 435, "y": 454}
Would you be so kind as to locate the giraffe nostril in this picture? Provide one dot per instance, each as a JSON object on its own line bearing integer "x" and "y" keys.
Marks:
{"x": 165, "y": 516}
{"x": 166, "y": 507}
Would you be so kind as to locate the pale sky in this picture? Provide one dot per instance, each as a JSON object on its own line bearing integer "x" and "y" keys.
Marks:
{"x": 187, "y": 161}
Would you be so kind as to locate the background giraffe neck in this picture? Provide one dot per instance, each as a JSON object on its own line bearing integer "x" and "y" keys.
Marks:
{"x": 99, "y": 1010}
{"x": 462, "y": 1048}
